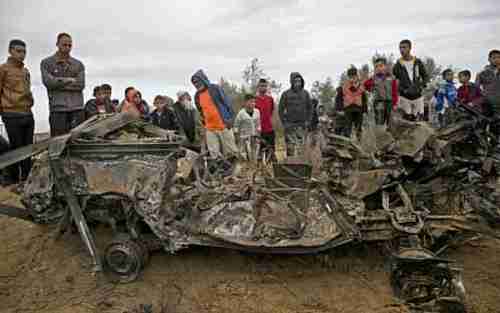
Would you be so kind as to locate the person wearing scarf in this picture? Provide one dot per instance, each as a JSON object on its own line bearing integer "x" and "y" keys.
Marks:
{"x": 132, "y": 103}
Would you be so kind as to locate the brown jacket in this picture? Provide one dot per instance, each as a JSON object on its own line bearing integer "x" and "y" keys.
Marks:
{"x": 15, "y": 88}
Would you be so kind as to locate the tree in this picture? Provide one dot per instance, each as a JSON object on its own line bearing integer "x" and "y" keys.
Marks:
{"x": 434, "y": 71}
{"x": 230, "y": 89}
{"x": 363, "y": 72}
{"x": 275, "y": 87}
{"x": 432, "y": 68}
{"x": 253, "y": 73}
{"x": 234, "y": 92}
{"x": 325, "y": 92}
{"x": 343, "y": 77}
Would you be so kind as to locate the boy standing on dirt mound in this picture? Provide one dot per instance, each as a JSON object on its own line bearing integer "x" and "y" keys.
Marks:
{"x": 247, "y": 128}
{"x": 385, "y": 92}
{"x": 265, "y": 104}
{"x": 353, "y": 103}
{"x": 469, "y": 93}
{"x": 446, "y": 97}
{"x": 295, "y": 111}
{"x": 412, "y": 80}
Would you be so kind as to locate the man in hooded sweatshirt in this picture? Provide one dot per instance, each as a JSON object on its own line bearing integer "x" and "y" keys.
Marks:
{"x": 295, "y": 111}
{"x": 216, "y": 115}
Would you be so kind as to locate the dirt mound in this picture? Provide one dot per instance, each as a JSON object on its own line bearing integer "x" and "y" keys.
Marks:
{"x": 44, "y": 275}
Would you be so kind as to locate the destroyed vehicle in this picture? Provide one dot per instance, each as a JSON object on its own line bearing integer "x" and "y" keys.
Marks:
{"x": 123, "y": 173}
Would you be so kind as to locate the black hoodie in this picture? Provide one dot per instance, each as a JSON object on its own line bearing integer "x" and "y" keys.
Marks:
{"x": 411, "y": 89}
{"x": 295, "y": 108}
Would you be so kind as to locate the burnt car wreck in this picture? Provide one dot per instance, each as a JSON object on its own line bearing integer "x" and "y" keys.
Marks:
{"x": 415, "y": 187}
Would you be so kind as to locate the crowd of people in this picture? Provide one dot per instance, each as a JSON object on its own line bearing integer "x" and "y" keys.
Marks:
{"x": 211, "y": 121}
{"x": 403, "y": 89}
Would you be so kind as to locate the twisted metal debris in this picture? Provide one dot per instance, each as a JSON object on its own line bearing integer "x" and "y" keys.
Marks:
{"x": 414, "y": 187}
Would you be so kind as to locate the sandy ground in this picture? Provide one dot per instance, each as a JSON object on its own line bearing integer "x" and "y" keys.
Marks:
{"x": 44, "y": 275}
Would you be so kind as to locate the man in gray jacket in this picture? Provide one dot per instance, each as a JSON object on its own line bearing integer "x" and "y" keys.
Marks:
{"x": 64, "y": 78}
{"x": 295, "y": 111}
{"x": 489, "y": 82}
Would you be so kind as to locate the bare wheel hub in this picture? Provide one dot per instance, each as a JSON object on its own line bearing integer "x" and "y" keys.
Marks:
{"x": 125, "y": 259}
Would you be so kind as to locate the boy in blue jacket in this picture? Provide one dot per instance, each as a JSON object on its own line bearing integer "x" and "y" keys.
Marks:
{"x": 446, "y": 96}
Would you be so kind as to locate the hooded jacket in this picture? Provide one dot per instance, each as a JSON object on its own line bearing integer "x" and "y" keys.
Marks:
{"x": 408, "y": 88}
{"x": 15, "y": 88}
{"x": 223, "y": 103}
{"x": 166, "y": 119}
{"x": 295, "y": 108}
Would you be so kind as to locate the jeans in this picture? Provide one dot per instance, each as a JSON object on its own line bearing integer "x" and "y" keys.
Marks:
{"x": 61, "y": 123}
{"x": 221, "y": 143}
{"x": 268, "y": 144}
{"x": 20, "y": 131}
{"x": 382, "y": 110}
{"x": 295, "y": 139}
{"x": 354, "y": 118}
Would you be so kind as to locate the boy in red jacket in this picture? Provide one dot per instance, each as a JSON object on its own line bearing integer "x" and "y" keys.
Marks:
{"x": 385, "y": 92}
{"x": 265, "y": 104}
{"x": 469, "y": 93}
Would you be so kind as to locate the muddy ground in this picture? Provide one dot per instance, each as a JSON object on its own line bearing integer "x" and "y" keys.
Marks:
{"x": 44, "y": 275}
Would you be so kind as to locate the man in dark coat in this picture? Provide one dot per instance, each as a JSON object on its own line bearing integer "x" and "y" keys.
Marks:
{"x": 188, "y": 118}
{"x": 163, "y": 115}
{"x": 295, "y": 111}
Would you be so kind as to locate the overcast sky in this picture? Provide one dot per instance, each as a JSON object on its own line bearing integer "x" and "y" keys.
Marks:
{"x": 157, "y": 45}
